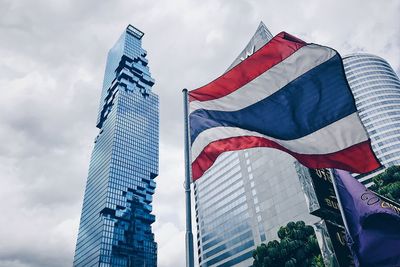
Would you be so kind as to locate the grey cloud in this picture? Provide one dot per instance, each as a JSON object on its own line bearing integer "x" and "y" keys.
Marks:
{"x": 51, "y": 69}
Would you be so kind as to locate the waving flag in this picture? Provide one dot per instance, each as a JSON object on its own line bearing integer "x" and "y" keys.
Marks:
{"x": 288, "y": 95}
{"x": 374, "y": 224}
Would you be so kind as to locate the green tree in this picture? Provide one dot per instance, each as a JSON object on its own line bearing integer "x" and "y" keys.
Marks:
{"x": 387, "y": 183}
{"x": 298, "y": 247}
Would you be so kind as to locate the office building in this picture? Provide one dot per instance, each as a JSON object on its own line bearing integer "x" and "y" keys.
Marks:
{"x": 246, "y": 196}
{"x": 242, "y": 201}
{"x": 376, "y": 89}
{"x": 115, "y": 226}
{"x": 259, "y": 39}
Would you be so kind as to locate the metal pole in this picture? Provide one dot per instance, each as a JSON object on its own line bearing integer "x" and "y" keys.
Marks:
{"x": 346, "y": 227}
{"x": 189, "y": 235}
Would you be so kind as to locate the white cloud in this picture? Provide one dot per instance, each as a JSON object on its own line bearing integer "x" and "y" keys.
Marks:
{"x": 171, "y": 245}
{"x": 51, "y": 70}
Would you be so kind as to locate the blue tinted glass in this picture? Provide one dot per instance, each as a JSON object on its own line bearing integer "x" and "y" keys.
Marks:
{"x": 115, "y": 228}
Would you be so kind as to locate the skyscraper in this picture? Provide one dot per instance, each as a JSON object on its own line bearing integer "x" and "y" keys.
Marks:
{"x": 259, "y": 39}
{"x": 246, "y": 196}
{"x": 376, "y": 89}
{"x": 115, "y": 227}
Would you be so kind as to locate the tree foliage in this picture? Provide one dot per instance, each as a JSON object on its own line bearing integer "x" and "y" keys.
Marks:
{"x": 298, "y": 247}
{"x": 387, "y": 183}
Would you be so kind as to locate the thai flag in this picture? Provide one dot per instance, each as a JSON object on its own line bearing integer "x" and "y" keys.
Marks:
{"x": 288, "y": 95}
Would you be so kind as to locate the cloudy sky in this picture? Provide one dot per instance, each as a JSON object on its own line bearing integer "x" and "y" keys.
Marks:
{"x": 52, "y": 59}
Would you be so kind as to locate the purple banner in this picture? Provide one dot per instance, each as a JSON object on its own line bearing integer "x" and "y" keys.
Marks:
{"x": 374, "y": 224}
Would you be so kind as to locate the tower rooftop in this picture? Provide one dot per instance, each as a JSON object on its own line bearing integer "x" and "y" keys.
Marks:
{"x": 134, "y": 31}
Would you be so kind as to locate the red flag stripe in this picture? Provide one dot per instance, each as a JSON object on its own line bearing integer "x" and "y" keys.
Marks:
{"x": 358, "y": 158}
{"x": 278, "y": 49}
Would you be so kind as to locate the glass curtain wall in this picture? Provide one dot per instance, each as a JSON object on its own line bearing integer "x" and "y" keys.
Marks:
{"x": 115, "y": 227}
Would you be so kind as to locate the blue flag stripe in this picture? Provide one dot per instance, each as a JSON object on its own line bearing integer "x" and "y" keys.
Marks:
{"x": 312, "y": 101}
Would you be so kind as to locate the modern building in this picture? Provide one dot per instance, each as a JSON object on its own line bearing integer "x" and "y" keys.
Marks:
{"x": 246, "y": 196}
{"x": 259, "y": 39}
{"x": 242, "y": 201}
{"x": 115, "y": 227}
{"x": 376, "y": 89}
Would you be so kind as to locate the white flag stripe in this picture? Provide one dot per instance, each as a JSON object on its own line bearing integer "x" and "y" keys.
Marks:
{"x": 323, "y": 141}
{"x": 303, "y": 60}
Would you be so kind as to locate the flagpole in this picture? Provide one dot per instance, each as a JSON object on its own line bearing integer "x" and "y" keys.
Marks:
{"x": 346, "y": 226}
{"x": 189, "y": 235}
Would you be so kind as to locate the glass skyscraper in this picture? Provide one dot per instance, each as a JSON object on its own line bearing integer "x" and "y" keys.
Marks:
{"x": 115, "y": 227}
{"x": 242, "y": 201}
{"x": 259, "y": 39}
{"x": 246, "y": 196}
{"x": 376, "y": 89}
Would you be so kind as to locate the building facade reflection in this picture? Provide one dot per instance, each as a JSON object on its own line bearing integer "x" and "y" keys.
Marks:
{"x": 115, "y": 227}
